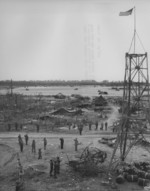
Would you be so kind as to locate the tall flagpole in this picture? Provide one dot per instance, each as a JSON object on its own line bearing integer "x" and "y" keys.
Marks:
{"x": 134, "y": 28}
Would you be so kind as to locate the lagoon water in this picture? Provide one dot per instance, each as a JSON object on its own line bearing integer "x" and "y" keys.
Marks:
{"x": 66, "y": 90}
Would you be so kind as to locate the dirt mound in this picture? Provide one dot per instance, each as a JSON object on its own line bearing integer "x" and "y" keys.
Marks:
{"x": 34, "y": 171}
{"x": 7, "y": 155}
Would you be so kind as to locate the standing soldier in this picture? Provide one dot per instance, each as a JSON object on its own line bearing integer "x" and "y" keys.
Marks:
{"x": 16, "y": 126}
{"x": 37, "y": 127}
{"x": 33, "y": 147}
{"x": 106, "y": 124}
{"x": 58, "y": 165}
{"x": 51, "y": 167}
{"x": 61, "y": 143}
{"x": 9, "y": 126}
{"x": 40, "y": 154}
{"x": 21, "y": 145}
{"x": 26, "y": 138}
{"x": 19, "y": 138}
{"x": 45, "y": 143}
{"x": 90, "y": 125}
{"x": 76, "y": 143}
{"x": 55, "y": 169}
{"x": 102, "y": 126}
{"x": 96, "y": 125}
{"x": 80, "y": 128}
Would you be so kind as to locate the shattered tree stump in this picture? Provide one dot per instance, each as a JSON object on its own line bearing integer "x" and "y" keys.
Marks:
{"x": 89, "y": 162}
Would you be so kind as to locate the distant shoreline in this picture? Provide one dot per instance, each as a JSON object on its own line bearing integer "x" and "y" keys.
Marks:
{"x": 8, "y": 83}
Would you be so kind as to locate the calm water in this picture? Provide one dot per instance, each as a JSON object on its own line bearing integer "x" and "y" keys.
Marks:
{"x": 66, "y": 90}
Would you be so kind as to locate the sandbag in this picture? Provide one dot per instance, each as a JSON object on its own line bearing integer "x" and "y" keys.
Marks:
{"x": 119, "y": 171}
{"x": 130, "y": 170}
{"x": 145, "y": 175}
{"x": 142, "y": 182}
{"x": 120, "y": 179}
{"x": 132, "y": 178}
{"x": 125, "y": 175}
{"x": 141, "y": 174}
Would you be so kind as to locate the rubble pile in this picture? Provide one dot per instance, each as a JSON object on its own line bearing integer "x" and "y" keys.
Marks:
{"x": 89, "y": 163}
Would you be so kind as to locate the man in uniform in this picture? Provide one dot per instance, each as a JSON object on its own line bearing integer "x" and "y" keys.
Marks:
{"x": 51, "y": 167}
{"x": 9, "y": 126}
{"x": 16, "y": 126}
{"x": 61, "y": 143}
{"x": 37, "y": 127}
{"x": 45, "y": 143}
{"x": 26, "y": 138}
{"x": 80, "y": 128}
{"x": 40, "y": 154}
{"x": 76, "y": 143}
{"x": 21, "y": 145}
{"x": 96, "y": 125}
{"x": 33, "y": 147}
{"x": 19, "y": 138}
{"x": 102, "y": 126}
{"x": 106, "y": 124}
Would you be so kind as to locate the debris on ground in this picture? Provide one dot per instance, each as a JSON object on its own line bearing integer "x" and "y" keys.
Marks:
{"x": 89, "y": 163}
{"x": 110, "y": 141}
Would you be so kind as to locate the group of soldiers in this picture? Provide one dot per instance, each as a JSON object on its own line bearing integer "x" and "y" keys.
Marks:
{"x": 55, "y": 167}
{"x": 54, "y": 163}
{"x": 76, "y": 143}
{"x": 21, "y": 143}
{"x": 54, "y": 170}
{"x": 39, "y": 150}
{"x": 33, "y": 145}
{"x": 19, "y": 127}
{"x": 103, "y": 125}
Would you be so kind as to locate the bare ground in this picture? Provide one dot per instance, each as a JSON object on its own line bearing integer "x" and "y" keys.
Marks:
{"x": 36, "y": 176}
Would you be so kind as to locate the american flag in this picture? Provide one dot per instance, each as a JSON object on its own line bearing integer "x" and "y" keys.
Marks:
{"x": 126, "y": 13}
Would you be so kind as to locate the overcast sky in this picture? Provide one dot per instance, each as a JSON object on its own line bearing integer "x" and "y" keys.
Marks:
{"x": 69, "y": 39}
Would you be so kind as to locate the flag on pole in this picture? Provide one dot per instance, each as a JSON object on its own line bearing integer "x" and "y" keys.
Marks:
{"x": 126, "y": 13}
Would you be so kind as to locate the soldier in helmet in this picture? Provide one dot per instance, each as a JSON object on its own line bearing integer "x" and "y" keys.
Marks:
{"x": 76, "y": 143}
{"x": 51, "y": 167}
{"x": 26, "y": 138}
{"x": 40, "y": 153}
{"x": 45, "y": 143}
{"x": 61, "y": 143}
{"x": 33, "y": 147}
